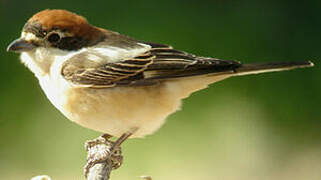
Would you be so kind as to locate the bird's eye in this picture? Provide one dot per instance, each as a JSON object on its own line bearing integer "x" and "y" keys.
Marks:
{"x": 53, "y": 38}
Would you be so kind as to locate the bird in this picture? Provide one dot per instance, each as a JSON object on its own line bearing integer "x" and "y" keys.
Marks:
{"x": 113, "y": 83}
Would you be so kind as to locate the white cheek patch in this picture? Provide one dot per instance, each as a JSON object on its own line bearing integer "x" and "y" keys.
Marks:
{"x": 42, "y": 54}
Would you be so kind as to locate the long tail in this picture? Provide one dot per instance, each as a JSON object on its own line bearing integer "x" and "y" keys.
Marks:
{"x": 255, "y": 68}
{"x": 185, "y": 86}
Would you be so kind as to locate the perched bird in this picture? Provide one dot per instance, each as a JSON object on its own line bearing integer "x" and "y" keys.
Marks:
{"x": 112, "y": 83}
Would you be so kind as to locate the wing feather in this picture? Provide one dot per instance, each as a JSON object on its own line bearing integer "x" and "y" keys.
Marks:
{"x": 158, "y": 63}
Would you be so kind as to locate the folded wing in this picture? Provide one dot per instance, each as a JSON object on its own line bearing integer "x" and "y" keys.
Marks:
{"x": 159, "y": 63}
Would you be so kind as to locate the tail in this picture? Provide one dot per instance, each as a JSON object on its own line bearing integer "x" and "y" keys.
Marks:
{"x": 255, "y": 68}
{"x": 185, "y": 86}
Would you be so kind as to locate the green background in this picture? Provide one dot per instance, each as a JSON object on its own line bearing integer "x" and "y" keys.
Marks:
{"x": 265, "y": 126}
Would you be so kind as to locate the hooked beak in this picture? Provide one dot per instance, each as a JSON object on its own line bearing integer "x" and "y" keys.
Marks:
{"x": 20, "y": 45}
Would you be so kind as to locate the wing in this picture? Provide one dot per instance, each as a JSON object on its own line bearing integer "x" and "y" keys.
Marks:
{"x": 157, "y": 63}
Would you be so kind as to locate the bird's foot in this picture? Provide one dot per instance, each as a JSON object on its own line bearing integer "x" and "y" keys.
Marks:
{"x": 102, "y": 150}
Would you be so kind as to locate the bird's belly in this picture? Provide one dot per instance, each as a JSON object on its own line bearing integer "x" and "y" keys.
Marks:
{"x": 117, "y": 110}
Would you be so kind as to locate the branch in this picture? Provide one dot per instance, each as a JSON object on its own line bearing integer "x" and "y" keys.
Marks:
{"x": 100, "y": 171}
{"x": 101, "y": 159}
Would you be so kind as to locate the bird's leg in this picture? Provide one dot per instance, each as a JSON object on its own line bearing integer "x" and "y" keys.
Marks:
{"x": 122, "y": 138}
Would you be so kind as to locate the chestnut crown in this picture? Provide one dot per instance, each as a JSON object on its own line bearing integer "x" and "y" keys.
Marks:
{"x": 62, "y": 29}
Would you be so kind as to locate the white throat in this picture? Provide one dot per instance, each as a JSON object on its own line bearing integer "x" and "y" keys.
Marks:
{"x": 40, "y": 60}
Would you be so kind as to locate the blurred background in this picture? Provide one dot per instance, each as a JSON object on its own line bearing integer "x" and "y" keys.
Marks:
{"x": 265, "y": 126}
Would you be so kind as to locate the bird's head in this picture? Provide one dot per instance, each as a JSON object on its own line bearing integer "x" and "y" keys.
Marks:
{"x": 52, "y": 36}
{"x": 56, "y": 29}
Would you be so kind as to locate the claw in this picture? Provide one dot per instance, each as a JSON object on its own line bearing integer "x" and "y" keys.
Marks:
{"x": 102, "y": 149}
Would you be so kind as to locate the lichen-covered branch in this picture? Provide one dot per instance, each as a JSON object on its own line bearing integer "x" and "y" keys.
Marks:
{"x": 101, "y": 159}
{"x": 100, "y": 171}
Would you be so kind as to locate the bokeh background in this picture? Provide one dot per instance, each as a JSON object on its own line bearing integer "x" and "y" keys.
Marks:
{"x": 265, "y": 126}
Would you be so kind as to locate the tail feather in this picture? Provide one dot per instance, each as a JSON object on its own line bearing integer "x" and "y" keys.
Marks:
{"x": 255, "y": 68}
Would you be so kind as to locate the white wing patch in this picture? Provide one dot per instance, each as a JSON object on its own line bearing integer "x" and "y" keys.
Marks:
{"x": 94, "y": 57}
{"x": 114, "y": 54}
